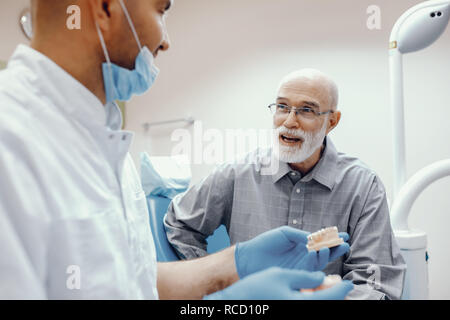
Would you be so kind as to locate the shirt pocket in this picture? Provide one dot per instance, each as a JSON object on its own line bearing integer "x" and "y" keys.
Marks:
{"x": 89, "y": 258}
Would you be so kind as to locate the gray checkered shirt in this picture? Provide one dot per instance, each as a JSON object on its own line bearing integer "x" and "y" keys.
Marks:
{"x": 340, "y": 191}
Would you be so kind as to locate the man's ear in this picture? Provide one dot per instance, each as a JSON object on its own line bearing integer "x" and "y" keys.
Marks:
{"x": 101, "y": 12}
{"x": 333, "y": 121}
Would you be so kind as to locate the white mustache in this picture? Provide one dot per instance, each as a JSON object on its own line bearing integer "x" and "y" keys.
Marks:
{"x": 295, "y": 133}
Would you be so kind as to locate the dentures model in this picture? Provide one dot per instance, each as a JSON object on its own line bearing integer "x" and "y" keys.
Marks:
{"x": 327, "y": 237}
{"x": 328, "y": 282}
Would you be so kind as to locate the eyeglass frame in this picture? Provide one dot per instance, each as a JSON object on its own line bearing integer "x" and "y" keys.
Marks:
{"x": 296, "y": 109}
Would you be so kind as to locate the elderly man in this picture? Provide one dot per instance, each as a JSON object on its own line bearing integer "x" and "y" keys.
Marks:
{"x": 313, "y": 187}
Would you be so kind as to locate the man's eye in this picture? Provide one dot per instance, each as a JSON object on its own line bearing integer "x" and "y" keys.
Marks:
{"x": 282, "y": 107}
{"x": 307, "y": 110}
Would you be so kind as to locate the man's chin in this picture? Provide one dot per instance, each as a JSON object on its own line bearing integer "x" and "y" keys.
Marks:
{"x": 289, "y": 154}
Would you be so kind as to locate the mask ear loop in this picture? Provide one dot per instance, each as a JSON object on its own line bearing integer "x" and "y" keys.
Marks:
{"x": 124, "y": 8}
{"x": 108, "y": 60}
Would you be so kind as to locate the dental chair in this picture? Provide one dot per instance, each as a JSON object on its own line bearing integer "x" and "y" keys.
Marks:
{"x": 162, "y": 179}
{"x": 157, "y": 208}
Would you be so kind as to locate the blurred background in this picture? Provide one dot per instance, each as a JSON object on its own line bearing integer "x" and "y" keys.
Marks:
{"x": 227, "y": 58}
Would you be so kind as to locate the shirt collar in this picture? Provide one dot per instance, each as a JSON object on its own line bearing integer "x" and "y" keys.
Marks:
{"x": 113, "y": 116}
{"x": 323, "y": 172}
{"x": 67, "y": 93}
{"x": 282, "y": 169}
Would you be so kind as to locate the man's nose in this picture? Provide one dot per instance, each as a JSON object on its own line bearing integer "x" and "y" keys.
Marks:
{"x": 291, "y": 120}
{"x": 165, "y": 44}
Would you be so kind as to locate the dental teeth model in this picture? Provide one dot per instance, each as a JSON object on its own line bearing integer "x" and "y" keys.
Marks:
{"x": 327, "y": 237}
{"x": 328, "y": 282}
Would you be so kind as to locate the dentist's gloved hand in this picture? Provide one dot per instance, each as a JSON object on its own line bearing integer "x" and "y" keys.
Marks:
{"x": 284, "y": 247}
{"x": 282, "y": 284}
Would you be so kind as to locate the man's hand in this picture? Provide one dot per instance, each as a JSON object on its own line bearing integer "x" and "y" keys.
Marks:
{"x": 284, "y": 247}
{"x": 282, "y": 284}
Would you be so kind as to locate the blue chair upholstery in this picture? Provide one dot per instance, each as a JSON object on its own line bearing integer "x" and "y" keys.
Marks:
{"x": 219, "y": 240}
{"x": 157, "y": 207}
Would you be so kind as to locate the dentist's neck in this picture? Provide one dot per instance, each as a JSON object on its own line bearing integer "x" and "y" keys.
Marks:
{"x": 78, "y": 58}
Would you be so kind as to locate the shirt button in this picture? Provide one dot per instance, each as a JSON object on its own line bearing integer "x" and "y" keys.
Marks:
{"x": 293, "y": 173}
{"x": 298, "y": 190}
{"x": 294, "y": 221}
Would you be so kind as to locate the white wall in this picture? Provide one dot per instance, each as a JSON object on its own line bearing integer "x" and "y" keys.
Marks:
{"x": 10, "y": 32}
{"x": 227, "y": 58}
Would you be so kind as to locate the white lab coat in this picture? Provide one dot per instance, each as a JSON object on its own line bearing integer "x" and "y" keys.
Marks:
{"x": 73, "y": 216}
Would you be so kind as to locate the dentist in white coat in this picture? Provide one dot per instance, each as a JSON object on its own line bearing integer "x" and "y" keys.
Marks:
{"x": 73, "y": 216}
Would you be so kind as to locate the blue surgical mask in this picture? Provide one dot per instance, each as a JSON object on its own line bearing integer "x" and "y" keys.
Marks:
{"x": 121, "y": 83}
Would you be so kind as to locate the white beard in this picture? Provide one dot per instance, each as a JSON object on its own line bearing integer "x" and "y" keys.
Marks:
{"x": 311, "y": 142}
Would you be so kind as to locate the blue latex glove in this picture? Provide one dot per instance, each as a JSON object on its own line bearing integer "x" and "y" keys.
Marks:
{"x": 284, "y": 247}
{"x": 282, "y": 284}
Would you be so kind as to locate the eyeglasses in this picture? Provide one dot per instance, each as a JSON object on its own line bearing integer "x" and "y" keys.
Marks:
{"x": 282, "y": 110}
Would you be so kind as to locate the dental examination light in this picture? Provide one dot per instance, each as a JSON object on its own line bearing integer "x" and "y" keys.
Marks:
{"x": 416, "y": 29}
